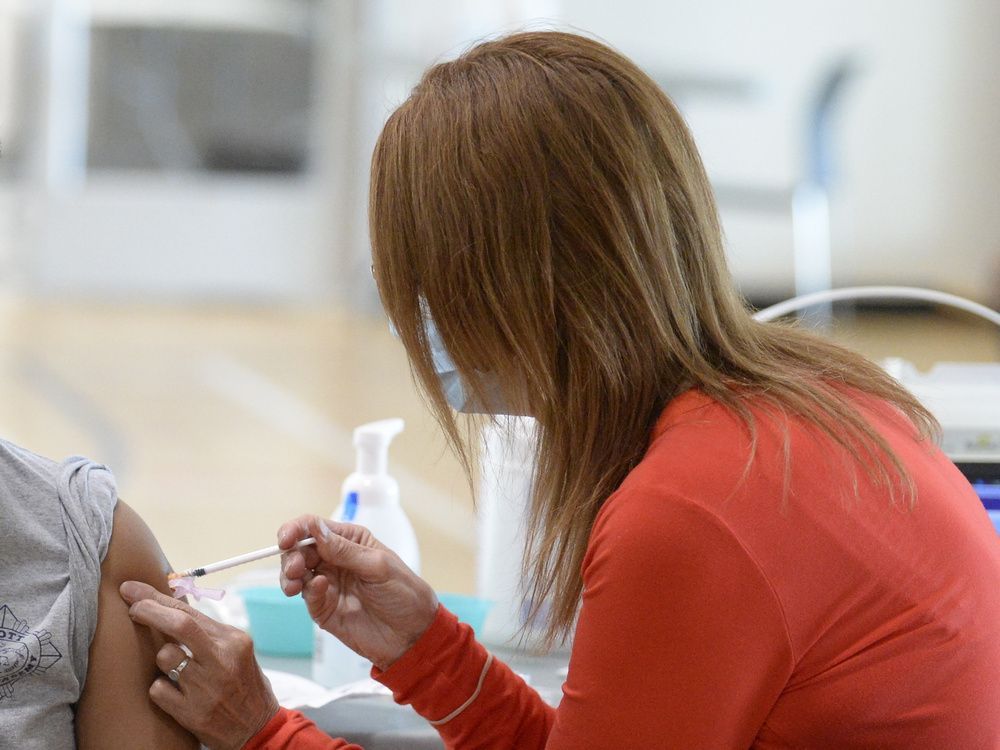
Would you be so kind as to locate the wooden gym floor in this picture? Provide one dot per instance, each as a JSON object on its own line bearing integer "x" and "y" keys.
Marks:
{"x": 222, "y": 422}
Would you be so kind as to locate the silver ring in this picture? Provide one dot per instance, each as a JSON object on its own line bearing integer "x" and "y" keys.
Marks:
{"x": 186, "y": 650}
{"x": 175, "y": 673}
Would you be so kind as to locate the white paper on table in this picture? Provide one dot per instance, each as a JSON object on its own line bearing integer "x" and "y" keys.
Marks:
{"x": 293, "y": 691}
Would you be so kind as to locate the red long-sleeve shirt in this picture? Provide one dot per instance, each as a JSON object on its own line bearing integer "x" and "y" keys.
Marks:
{"x": 765, "y": 610}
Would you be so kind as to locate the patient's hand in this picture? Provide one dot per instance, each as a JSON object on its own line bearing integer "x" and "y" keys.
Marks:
{"x": 221, "y": 695}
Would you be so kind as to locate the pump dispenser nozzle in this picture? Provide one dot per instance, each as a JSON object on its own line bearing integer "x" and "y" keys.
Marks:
{"x": 372, "y": 441}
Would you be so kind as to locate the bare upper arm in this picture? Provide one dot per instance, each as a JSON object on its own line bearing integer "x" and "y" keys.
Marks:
{"x": 115, "y": 709}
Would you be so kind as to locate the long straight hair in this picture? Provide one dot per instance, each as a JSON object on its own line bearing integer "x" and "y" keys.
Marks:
{"x": 542, "y": 199}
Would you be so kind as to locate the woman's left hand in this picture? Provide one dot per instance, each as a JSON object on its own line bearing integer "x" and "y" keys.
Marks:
{"x": 221, "y": 695}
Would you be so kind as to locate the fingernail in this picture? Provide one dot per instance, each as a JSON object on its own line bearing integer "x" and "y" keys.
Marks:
{"x": 324, "y": 530}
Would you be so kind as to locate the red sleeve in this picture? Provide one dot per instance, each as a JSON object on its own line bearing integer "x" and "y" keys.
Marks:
{"x": 681, "y": 641}
{"x": 290, "y": 730}
{"x": 442, "y": 671}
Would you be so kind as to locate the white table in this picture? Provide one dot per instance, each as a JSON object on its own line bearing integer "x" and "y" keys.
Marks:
{"x": 378, "y": 723}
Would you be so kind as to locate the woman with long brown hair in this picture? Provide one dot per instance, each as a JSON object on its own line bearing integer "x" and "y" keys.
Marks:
{"x": 747, "y": 531}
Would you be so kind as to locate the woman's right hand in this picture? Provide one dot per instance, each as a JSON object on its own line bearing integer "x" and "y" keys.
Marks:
{"x": 356, "y": 588}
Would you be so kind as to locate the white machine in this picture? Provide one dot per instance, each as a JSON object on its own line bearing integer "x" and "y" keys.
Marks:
{"x": 964, "y": 396}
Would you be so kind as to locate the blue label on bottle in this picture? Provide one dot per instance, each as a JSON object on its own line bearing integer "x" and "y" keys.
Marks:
{"x": 350, "y": 507}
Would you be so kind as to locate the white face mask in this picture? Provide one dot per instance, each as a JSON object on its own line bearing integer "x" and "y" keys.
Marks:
{"x": 451, "y": 381}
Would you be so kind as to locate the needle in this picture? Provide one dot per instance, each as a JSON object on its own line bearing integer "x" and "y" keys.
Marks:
{"x": 232, "y": 562}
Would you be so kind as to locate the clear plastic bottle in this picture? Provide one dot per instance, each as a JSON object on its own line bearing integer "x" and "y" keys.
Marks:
{"x": 370, "y": 498}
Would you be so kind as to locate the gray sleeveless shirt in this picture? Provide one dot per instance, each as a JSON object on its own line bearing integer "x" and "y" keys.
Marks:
{"x": 55, "y": 525}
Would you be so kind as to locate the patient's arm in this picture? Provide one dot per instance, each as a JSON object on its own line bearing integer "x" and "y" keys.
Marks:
{"x": 115, "y": 709}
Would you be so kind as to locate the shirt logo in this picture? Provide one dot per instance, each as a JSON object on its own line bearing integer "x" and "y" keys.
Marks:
{"x": 23, "y": 652}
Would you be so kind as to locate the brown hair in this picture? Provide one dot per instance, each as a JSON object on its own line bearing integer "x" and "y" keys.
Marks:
{"x": 542, "y": 199}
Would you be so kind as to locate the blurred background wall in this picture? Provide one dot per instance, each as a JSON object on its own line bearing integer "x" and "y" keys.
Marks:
{"x": 190, "y": 150}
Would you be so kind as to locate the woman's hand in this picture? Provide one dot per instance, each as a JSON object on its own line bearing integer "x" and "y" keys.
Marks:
{"x": 356, "y": 588}
{"x": 221, "y": 696}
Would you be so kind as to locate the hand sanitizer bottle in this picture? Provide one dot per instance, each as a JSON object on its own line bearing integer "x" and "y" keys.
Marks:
{"x": 371, "y": 499}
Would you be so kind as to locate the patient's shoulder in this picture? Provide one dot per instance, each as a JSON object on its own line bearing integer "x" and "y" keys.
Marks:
{"x": 115, "y": 709}
{"x": 134, "y": 553}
